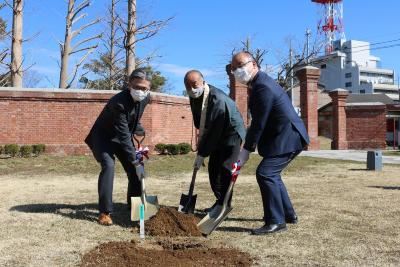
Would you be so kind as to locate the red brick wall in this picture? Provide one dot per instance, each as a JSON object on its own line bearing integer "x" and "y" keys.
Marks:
{"x": 366, "y": 126}
{"x": 240, "y": 94}
{"x": 61, "y": 119}
{"x": 325, "y": 122}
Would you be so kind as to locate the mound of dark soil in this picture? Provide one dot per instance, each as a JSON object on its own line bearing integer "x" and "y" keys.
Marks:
{"x": 169, "y": 222}
{"x": 163, "y": 254}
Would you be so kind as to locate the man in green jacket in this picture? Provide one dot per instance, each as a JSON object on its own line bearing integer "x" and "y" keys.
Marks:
{"x": 222, "y": 135}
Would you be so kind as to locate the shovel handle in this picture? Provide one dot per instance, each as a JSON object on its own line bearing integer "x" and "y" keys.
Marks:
{"x": 143, "y": 196}
{"x": 191, "y": 188}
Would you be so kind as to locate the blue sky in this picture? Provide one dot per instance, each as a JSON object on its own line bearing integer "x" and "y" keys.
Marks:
{"x": 203, "y": 33}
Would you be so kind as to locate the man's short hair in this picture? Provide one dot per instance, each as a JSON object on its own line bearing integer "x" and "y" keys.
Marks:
{"x": 140, "y": 73}
{"x": 190, "y": 72}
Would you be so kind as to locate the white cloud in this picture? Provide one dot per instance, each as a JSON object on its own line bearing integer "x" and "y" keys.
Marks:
{"x": 46, "y": 70}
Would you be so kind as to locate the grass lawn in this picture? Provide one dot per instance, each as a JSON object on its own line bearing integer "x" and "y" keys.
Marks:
{"x": 391, "y": 153}
{"x": 347, "y": 216}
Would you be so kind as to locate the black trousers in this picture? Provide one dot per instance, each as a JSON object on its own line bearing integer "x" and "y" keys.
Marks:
{"x": 276, "y": 201}
{"x": 105, "y": 151}
{"x": 220, "y": 165}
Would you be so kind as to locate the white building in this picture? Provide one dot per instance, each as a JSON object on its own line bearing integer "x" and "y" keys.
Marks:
{"x": 352, "y": 67}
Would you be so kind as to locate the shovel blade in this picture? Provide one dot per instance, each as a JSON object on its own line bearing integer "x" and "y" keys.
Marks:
{"x": 213, "y": 219}
{"x": 151, "y": 207}
{"x": 187, "y": 204}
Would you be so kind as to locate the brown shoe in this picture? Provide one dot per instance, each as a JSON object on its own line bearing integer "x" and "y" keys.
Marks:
{"x": 105, "y": 219}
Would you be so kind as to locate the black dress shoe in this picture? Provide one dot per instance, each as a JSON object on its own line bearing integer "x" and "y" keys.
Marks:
{"x": 292, "y": 220}
{"x": 207, "y": 210}
{"x": 269, "y": 229}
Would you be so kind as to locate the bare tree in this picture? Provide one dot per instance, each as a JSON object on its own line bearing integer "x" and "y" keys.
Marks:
{"x": 16, "y": 48}
{"x": 295, "y": 59}
{"x": 5, "y": 79}
{"x": 134, "y": 34}
{"x": 32, "y": 78}
{"x": 258, "y": 53}
{"x": 67, "y": 49}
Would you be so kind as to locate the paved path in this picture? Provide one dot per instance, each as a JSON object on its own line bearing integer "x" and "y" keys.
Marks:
{"x": 356, "y": 155}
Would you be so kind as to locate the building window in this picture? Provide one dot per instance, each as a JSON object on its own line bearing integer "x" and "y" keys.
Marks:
{"x": 348, "y": 75}
{"x": 348, "y": 84}
{"x": 323, "y": 66}
{"x": 362, "y": 91}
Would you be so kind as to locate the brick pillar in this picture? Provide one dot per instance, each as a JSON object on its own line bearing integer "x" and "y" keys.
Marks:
{"x": 239, "y": 93}
{"x": 339, "y": 129}
{"x": 308, "y": 77}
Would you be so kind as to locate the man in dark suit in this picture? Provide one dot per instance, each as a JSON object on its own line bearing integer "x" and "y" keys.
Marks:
{"x": 223, "y": 132}
{"x": 279, "y": 135}
{"x": 111, "y": 135}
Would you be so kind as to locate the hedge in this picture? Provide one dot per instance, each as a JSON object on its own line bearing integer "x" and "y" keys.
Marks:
{"x": 173, "y": 149}
{"x": 25, "y": 151}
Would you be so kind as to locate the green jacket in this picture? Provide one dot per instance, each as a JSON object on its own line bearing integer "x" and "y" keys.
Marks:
{"x": 223, "y": 120}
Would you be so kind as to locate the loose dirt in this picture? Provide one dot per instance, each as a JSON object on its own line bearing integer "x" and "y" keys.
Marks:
{"x": 162, "y": 253}
{"x": 168, "y": 222}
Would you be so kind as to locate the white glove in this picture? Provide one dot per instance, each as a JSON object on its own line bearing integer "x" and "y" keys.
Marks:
{"x": 243, "y": 157}
{"x": 139, "y": 170}
{"x": 198, "y": 162}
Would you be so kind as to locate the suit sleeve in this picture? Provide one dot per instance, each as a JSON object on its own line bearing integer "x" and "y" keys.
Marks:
{"x": 120, "y": 124}
{"x": 213, "y": 129}
{"x": 260, "y": 108}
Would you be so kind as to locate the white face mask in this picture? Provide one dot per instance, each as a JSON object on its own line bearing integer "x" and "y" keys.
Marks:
{"x": 139, "y": 95}
{"x": 242, "y": 75}
{"x": 195, "y": 92}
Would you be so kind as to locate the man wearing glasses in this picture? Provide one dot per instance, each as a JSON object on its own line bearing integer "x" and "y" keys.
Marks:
{"x": 223, "y": 132}
{"x": 111, "y": 135}
{"x": 279, "y": 135}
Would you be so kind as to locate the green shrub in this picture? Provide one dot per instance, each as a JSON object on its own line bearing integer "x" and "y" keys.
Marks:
{"x": 173, "y": 149}
{"x": 38, "y": 149}
{"x": 184, "y": 148}
{"x": 160, "y": 148}
{"x": 25, "y": 151}
{"x": 1, "y": 150}
{"x": 12, "y": 150}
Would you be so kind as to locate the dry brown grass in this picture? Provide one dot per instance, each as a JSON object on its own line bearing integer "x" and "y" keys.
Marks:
{"x": 348, "y": 216}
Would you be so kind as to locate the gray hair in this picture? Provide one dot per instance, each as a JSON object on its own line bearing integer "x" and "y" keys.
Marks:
{"x": 190, "y": 72}
{"x": 140, "y": 73}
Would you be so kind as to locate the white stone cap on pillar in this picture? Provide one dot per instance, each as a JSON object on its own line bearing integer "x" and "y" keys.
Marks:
{"x": 338, "y": 90}
{"x": 309, "y": 68}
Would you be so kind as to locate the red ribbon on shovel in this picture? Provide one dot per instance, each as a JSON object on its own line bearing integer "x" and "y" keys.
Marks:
{"x": 142, "y": 153}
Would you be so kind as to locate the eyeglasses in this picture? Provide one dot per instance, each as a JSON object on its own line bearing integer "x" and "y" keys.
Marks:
{"x": 240, "y": 66}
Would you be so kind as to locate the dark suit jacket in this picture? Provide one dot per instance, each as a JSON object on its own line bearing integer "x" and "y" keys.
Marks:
{"x": 222, "y": 121}
{"x": 117, "y": 122}
{"x": 275, "y": 127}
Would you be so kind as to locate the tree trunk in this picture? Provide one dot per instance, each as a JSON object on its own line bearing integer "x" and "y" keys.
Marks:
{"x": 16, "y": 50}
{"x": 112, "y": 43}
{"x": 130, "y": 39}
{"x": 65, "y": 49}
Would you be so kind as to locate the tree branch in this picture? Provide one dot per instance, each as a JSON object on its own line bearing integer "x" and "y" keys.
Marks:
{"x": 78, "y": 31}
{"x": 83, "y": 49}
{"x": 80, "y": 7}
{"x": 84, "y": 41}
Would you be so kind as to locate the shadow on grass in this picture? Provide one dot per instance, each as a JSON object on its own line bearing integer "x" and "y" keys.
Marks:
{"x": 385, "y": 187}
{"x": 360, "y": 169}
{"x": 85, "y": 212}
{"x": 244, "y": 220}
{"x": 236, "y": 229}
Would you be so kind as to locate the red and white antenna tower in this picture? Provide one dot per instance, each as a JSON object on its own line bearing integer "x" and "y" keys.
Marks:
{"x": 331, "y": 23}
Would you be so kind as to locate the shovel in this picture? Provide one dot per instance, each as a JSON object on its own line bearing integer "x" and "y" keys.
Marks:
{"x": 150, "y": 203}
{"x": 188, "y": 202}
{"x": 217, "y": 215}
